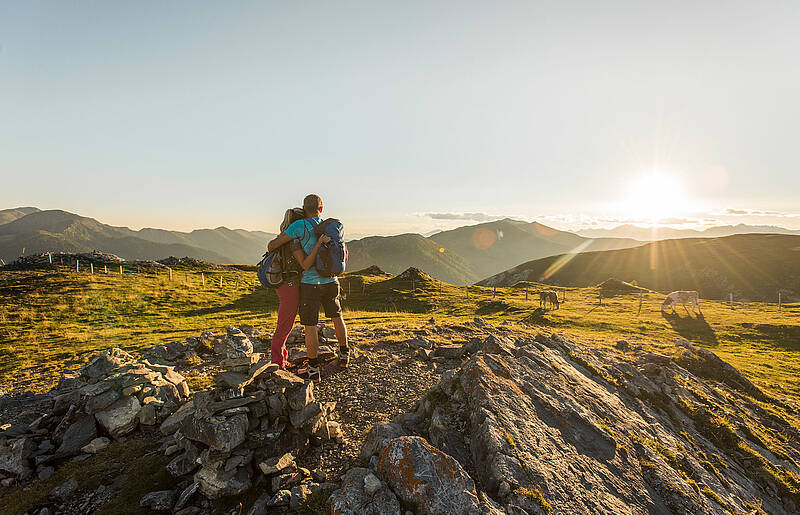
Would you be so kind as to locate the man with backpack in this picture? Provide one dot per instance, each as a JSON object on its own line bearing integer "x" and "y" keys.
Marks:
{"x": 317, "y": 289}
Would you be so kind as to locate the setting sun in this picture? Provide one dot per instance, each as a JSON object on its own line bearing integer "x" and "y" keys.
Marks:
{"x": 655, "y": 196}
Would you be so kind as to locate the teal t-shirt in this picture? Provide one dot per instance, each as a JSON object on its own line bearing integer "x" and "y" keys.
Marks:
{"x": 303, "y": 230}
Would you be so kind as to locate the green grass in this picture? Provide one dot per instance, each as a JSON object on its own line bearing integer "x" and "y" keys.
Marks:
{"x": 52, "y": 319}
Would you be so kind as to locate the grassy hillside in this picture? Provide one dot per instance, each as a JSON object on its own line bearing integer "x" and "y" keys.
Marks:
{"x": 752, "y": 266}
{"x": 51, "y": 319}
{"x": 495, "y": 246}
{"x": 396, "y": 253}
{"x": 54, "y": 230}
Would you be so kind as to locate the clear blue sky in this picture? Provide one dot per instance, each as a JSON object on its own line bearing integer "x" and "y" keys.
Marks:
{"x": 198, "y": 114}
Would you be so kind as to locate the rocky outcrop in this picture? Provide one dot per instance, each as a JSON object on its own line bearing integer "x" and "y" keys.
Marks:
{"x": 248, "y": 430}
{"x": 639, "y": 432}
{"x": 107, "y": 397}
{"x": 538, "y": 425}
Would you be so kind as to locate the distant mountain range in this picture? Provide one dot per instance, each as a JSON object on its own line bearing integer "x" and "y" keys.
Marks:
{"x": 752, "y": 266}
{"x": 493, "y": 246}
{"x": 460, "y": 256}
{"x": 664, "y": 233}
{"x": 394, "y": 254}
{"x": 54, "y": 230}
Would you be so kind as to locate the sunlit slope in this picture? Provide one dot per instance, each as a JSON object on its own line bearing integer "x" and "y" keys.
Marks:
{"x": 752, "y": 266}
{"x": 495, "y": 246}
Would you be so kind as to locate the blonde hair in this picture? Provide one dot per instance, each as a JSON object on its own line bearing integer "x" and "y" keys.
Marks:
{"x": 291, "y": 214}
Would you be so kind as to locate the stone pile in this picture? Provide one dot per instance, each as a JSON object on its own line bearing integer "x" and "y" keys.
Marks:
{"x": 237, "y": 340}
{"x": 246, "y": 431}
{"x": 109, "y": 398}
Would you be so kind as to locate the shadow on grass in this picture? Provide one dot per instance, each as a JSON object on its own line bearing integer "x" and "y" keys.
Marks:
{"x": 691, "y": 328}
{"x": 259, "y": 301}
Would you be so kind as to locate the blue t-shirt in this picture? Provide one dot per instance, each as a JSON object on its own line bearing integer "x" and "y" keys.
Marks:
{"x": 303, "y": 230}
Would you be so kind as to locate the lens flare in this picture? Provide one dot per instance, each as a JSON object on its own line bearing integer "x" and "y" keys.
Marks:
{"x": 655, "y": 196}
{"x": 483, "y": 238}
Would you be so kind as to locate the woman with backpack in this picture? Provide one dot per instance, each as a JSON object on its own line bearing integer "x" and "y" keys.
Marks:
{"x": 293, "y": 261}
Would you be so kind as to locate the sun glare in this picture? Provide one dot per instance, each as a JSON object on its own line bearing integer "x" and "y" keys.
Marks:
{"x": 655, "y": 196}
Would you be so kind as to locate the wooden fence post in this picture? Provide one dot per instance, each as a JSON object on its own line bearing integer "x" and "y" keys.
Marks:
{"x": 640, "y": 303}
{"x": 349, "y": 287}
{"x": 731, "y": 300}
{"x": 77, "y": 265}
{"x": 50, "y": 258}
{"x": 779, "y": 302}
{"x": 91, "y": 268}
{"x": 220, "y": 281}
{"x": 120, "y": 269}
{"x": 170, "y": 273}
{"x": 105, "y": 269}
{"x": 203, "y": 277}
{"x": 494, "y": 292}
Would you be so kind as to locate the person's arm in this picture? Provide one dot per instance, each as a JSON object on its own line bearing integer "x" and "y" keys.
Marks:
{"x": 308, "y": 261}
{"x": 279, "y": 240}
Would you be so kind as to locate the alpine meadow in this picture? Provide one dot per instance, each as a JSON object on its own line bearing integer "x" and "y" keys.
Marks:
{"x": 399, "y": 258}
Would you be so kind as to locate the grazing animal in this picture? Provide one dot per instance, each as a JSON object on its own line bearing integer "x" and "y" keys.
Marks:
{"x": 682, "y": 297}
{"x": 548, "y": 296}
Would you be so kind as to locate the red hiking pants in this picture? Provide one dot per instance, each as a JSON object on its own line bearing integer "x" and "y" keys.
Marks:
{"x": 288, "y": 296}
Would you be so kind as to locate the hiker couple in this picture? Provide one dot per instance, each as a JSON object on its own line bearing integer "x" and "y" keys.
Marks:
{"x": 303, "y": 286}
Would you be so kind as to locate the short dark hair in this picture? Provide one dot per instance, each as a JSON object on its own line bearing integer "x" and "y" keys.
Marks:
{"x": 312, "y": 205}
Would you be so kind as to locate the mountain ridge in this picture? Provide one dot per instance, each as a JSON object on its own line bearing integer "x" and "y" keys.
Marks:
{"x": 663, "y": 233}
{"x": 58, "y": 230}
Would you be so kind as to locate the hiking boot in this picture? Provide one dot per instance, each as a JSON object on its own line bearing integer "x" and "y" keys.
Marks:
{"x": 312, "y": 372}
{"x": 344, "y": 356}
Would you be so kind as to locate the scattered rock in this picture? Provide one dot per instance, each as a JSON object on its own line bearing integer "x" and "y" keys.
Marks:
{"x": 276, "y": 464}
{"x": 449, "y": 351}
{"x": 45, "y": 472}
{"x": 64, "y": 490}
{"x": 14, "y": 456}
{"x": 378, "y": 436}
{"x": 162, "y": 500}
{"x": 423, "y": 476}
{"x": 121, "y": 417}
{"x": 352, "y": 497}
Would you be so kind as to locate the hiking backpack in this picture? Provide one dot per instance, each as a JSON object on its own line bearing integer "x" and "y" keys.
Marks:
{"x": 280, "y": 266}
{"x": 331, "y": 256}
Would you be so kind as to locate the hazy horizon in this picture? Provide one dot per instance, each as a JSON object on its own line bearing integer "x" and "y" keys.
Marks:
{"x": 413, "y": 117}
